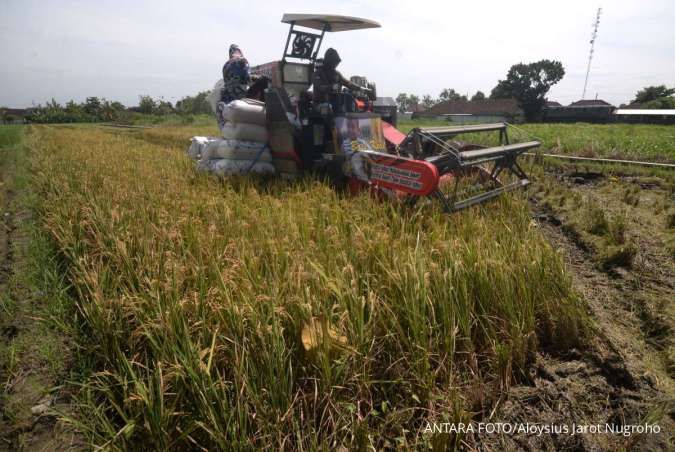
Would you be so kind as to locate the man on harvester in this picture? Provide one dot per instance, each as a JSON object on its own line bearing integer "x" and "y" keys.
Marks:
{"x": 236, "y": 75}
{"x": 328, "y": 83}
{"x": 238, "y": 82}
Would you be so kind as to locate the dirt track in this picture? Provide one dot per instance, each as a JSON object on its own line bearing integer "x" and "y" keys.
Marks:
{"x": 28, "y": 381}
{"x": 614, "y": 381}
{"x": 622, "y": 378}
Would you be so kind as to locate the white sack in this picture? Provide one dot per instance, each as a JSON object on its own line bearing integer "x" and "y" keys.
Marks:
{"x": 245, "y": 110}
{"x": 244, "y": 131}
{"x": 236, "y": 150}
{"x": 227, "y": 167}
{"x": 215, "y": 95}
{"x": 198, "y": 145}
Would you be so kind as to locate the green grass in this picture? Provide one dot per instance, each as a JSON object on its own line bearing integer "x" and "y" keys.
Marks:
{"x": 194, "y": 294}
{"x": 629, "y": 141}
{"x": 622, "y": 141}
{"x": 10, "y": 135}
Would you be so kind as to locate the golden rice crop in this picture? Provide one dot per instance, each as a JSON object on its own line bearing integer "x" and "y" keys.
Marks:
{"x": 243, "y": 314}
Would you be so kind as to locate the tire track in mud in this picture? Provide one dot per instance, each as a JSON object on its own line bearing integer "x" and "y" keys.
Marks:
{"x": 613, "y": 381}
{"x": 27, "y": 386}
{"x": 7, "y": 331}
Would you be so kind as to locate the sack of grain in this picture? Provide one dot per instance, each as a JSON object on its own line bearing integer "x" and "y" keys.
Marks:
{"x": 227, "y": 167}
{"x": 198, "y": 145}
{"x": 244, "y": 131}
{"x": 236, "y": 150}
{"x": 245, "y": 111}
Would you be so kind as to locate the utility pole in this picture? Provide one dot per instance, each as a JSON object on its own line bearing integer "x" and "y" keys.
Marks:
{"x": 596, "y": 24}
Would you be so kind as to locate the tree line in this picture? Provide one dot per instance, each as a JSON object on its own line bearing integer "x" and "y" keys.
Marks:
{"x": 655, "y": 97}
{"x": 407, "y": 102}
{"x": 529, "y": 84}
{"x": 95, "y": 109}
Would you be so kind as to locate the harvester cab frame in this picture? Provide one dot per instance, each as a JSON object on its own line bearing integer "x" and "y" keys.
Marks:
{"x": 300, "y": 58}
{"x": 362, "y": 151}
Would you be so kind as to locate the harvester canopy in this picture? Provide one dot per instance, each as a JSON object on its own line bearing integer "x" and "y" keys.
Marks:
{"x": 329, "y": 22}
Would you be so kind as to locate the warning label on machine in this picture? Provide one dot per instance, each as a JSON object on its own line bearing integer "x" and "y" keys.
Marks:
{"x": 399, "y": 176}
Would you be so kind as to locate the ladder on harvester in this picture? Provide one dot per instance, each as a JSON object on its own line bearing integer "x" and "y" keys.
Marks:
{"x": 432, "y": 144}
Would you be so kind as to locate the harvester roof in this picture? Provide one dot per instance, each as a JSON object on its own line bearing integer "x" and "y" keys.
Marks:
{"x": 329, "y": 22}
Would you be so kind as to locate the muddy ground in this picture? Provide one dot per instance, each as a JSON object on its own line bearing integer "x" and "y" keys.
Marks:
{"x": 35, "y": 357}
{"x": 624, "y": 377}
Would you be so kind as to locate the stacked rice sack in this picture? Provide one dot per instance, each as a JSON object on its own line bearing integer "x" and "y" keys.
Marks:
{"x": 243, "y": 147}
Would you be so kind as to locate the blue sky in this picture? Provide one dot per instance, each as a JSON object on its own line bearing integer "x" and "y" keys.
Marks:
{"x": 72, "y": 49}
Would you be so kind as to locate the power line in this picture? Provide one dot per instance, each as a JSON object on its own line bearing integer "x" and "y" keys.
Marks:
{"x": 596, "y": 24}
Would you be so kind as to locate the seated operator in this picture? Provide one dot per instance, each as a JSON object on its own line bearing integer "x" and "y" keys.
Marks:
{"x": 328, "y": 82}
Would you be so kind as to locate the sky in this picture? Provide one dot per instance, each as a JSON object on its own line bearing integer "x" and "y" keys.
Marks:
{"x": 70, "y": 49}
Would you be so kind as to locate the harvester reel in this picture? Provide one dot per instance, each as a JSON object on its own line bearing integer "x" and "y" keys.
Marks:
{"x": 480, "y": 164}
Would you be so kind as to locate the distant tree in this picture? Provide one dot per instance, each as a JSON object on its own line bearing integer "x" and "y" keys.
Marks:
{"x": 112, "y": 111}
{"x": 451, "y": 94}
{"x": 414, "y": 101}
{"x": 146, "y": 105}
{"x": 428, "y": 101}
{"x": 92, "y": 110}
{"x": 502, "y": 91}
{"x": 73, "y": 107}
{"x": 164, "y": 108}
{"x": 194, "y": 105}
{"x": 662, "y": 103}
{"x": 655, "y": 97}
{"x": 92, "y": 106}
{"x": 403, "y": 102}
{"x": 650, "y": 93}
{"x": 478, "y": 96}
{"x": 528, "y": 84}
{"x": 76, "y": 112}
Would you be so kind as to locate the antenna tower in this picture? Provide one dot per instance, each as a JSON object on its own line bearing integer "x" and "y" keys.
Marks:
{"x": 596, "y": 24}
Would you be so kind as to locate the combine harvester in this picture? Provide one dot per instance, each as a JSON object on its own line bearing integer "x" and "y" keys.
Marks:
{"x": 363, "y": 149}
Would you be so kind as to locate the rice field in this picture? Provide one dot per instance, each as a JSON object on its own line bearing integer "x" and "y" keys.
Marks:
{"x": 643, "y": 142}
{"x": 249, "y": 314}
{"x": 621, "y": 141}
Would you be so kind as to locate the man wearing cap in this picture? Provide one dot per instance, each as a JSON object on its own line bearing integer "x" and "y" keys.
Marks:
{"x": 236, "y": 76}
{"x": 328, "y": 82}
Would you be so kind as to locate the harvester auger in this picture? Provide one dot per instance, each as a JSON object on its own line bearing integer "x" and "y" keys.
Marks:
{"x": 359, "y": 146}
